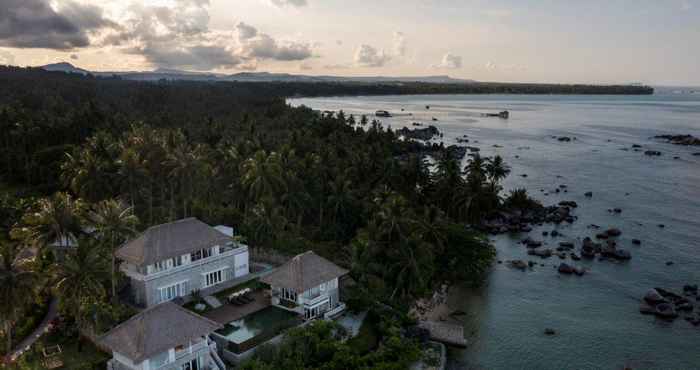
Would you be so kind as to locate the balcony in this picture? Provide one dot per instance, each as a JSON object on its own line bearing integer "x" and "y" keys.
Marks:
{"x": 316, "y": 300}
{"x": 135, "y": 274}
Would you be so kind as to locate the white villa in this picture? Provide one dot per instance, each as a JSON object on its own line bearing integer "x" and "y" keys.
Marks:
{"x": 308, "y": 285}
{"x": 165, "y": 336}
{"x": 175, "y": 259}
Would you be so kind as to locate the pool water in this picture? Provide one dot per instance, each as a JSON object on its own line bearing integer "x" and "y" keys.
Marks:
{"x": 255, "y": 324}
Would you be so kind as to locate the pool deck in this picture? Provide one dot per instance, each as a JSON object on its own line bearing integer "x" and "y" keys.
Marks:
{"x": 229, "y": 312}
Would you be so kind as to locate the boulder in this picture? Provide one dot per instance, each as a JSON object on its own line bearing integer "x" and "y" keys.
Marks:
{"x": 690, "y": 289}
{"x": 654, "y": 297}
{"x": 567, "y": 245}
{"x": 554, "y": 233}
{"x": 622, "y": 254}
{"x": 575, "y": 256}
{"x": 646, "y": 309}
{"x": 636, "y": 242}
{"x": 565, "y": 269}
{"x": 549, "y": 331}
{"x": 518, "y": 264}
{"x": 652, "y": 153}
{"x": 613, "y": 232}
{"x": 568, "y": 203}
{"x": 666, "y": 311}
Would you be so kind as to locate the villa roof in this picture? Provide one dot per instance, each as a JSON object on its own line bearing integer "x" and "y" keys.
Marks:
{"x": 155, "y": 330}
{"x": 170, "y": 240}
{"x": 303, "y": 272}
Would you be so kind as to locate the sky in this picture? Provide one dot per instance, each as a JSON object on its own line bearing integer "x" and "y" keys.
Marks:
{"x": 654, "y": 42}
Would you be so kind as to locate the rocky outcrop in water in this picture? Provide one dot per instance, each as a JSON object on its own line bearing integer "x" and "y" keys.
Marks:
{"x": 666, "y": 304}
{"x": 680, "y": 139}
{"x": 424, "y": 134}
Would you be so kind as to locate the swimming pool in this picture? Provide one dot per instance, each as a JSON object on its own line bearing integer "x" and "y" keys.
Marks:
{"x": 269, "y": 320}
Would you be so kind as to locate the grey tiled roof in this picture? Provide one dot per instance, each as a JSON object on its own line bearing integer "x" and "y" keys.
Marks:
{"x": 155, "y": 330}
{"x": 171, "y": 240}
{"x": 304, "y": 272}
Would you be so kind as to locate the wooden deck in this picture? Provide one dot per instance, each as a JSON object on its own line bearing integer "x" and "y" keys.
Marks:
{"x": 229, "y": 312}
{"x": 450, "y": 334}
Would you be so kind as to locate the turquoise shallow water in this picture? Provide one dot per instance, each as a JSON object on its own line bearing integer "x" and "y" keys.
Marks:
{"x": 596, "y": 316}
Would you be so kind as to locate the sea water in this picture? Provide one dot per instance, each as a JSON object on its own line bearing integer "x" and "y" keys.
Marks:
{"x": 596, "y": 317}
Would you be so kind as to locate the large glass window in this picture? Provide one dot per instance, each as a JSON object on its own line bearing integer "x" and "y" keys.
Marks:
{"x": 171, "y": 292}
{"x": 213, "y": 278}
{"x": 192, "y": 364}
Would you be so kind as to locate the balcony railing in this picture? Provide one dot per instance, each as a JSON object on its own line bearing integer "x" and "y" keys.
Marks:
{"x": 172, "y": 270}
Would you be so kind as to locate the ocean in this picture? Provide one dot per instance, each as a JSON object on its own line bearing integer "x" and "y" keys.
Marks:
{"x": 596, "y": 317}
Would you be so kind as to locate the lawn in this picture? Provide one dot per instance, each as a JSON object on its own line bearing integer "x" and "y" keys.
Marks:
{"x": 90, "y": 357}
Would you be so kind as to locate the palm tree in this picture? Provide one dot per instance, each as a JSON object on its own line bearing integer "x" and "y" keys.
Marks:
{"x": 56, "y": 219}
{"x": 114, "y": 222}
{"x": 263, "y": 175}
{"x": 496, "y": 171}
{"x": 16, "y": 284}
{"x": 81, "y": 280}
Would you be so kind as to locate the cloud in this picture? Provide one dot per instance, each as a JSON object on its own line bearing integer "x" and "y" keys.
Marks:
{"x": 450, "y": 61}
{"x": 36, "y": 24}
{"x": 368, "y": 56}
{"x": 6, "y": 58}
{"x": 503, "y": 67}
{"x": 292, "y": 3}
{"x": 257, "y": 45}
{"x": 179, "y": 36}
{"x": 399, "y": 44}
{"x": 245, "y": 31}
{"x": 74, "y": 56}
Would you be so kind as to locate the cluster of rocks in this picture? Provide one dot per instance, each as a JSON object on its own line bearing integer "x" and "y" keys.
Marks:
{"x": 520, "y": 220}
{"x": 609, "y": 249}
{"x": 680, "y": 139}
{"x": 667, "y": 304}
{"x": 424, "y": 134}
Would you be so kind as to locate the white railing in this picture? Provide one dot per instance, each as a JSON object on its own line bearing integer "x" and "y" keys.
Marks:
{"x": 173, "y": 270}
{"x": 316, "y": 300}
{"x": 337, "y": 310}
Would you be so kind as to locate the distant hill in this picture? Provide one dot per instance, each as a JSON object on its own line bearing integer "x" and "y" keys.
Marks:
{"x": 65, "y": 67}
{"x": 174, "y": 74}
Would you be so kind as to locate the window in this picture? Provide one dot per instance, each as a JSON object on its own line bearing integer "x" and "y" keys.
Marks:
{"x": 213, "y": 278}
{"x": 196, "y": 256}
{"x": 311, "y": 313}
{"x": 171, "y": 292}
{"x": 160, "y": 360}
{"x": 177, "y": 261}
{"x": 202, "y": 253}
{"x": 192, "y": 364}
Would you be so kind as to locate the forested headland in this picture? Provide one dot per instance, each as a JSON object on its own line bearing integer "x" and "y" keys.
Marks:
{"x": 114, "y": 156}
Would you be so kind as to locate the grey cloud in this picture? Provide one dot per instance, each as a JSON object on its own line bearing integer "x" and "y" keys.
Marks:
{"x": 246, "y": 31}
{"x": 197, "y": 57}
{"x": 295, "y": 3}
{"x": 35, "y": 24}
{"x": 260, "y": 45}
{"x": 368, "y": 56}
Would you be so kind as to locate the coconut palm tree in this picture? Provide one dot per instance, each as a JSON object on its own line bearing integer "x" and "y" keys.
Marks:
{"x": 81, "y": 281}
{"x": 263, "y": 175}
{"x": 55, "y": 219}
{"x": 496, "y": 171}
{"x": 16, "y": 284}
{"x": 114, "y": 222}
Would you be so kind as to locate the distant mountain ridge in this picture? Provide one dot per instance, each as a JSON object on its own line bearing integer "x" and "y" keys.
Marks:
{"x": 174, "y": 74}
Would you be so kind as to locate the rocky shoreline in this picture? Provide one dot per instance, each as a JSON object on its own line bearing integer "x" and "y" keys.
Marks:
{"x": 666, "y": 304}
